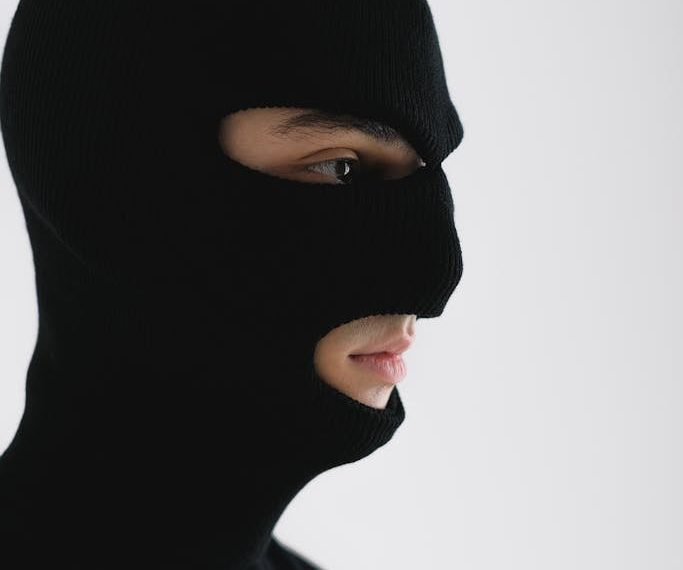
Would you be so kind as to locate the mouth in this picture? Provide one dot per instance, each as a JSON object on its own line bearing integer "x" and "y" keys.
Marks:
{"x": 389, "y": 366}
{"x": 384, "y": 360}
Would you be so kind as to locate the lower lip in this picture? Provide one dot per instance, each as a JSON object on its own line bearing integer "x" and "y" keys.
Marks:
{"x": 389, "y": 366}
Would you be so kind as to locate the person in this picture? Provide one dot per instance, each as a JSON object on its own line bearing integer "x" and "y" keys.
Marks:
{"x": 222, "y": 309}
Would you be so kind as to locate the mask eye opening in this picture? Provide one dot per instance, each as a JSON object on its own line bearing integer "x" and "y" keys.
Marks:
{"x": 377, "y": 115}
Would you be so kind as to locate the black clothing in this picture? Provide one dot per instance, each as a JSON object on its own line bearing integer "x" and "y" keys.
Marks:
{"x": 172, "y": 407}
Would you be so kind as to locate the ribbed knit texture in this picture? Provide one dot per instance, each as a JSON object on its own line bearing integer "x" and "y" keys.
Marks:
{"x": 172, "y": 407}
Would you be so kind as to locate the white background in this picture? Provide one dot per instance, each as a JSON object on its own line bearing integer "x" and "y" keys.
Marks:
{"x": 543, "y": 427}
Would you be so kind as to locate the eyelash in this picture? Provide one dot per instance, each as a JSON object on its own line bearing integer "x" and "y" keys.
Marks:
{"x": 355, "y": 170}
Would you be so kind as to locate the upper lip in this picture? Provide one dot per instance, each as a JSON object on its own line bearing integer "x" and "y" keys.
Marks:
{"x": 396, "y": 345}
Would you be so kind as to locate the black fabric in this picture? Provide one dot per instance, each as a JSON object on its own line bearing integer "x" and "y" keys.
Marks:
{"x": 172, "y": 407}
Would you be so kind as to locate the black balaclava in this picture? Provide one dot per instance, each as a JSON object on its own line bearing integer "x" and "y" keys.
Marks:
{"x": 172, "y": 407}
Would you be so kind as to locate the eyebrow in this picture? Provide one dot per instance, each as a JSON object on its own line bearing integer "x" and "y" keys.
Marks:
{"x": 327, "y": 121}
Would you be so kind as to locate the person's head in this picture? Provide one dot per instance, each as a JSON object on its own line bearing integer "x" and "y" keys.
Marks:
{"x": 310, "y": 145}
{"x": 207, "y": 279}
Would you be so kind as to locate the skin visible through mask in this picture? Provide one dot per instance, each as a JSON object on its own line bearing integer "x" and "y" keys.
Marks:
{"x": 307, "y": 146}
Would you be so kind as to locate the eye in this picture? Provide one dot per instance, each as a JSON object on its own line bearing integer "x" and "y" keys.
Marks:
{"x": 344, "y": 170}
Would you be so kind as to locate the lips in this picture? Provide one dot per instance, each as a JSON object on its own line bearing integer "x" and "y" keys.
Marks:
{"x": 394, "y": 346}
{"x": 390, "y": 366}
{"x": 385, "y": 359}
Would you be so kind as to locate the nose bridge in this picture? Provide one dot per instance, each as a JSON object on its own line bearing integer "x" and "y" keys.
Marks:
{"x": 388, "y": 252}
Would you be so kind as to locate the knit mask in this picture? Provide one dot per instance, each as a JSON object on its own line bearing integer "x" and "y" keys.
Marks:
{"x": 172, "y": 407}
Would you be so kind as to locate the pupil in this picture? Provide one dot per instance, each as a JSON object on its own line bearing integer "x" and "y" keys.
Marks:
{"x": 343, "y": 169}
